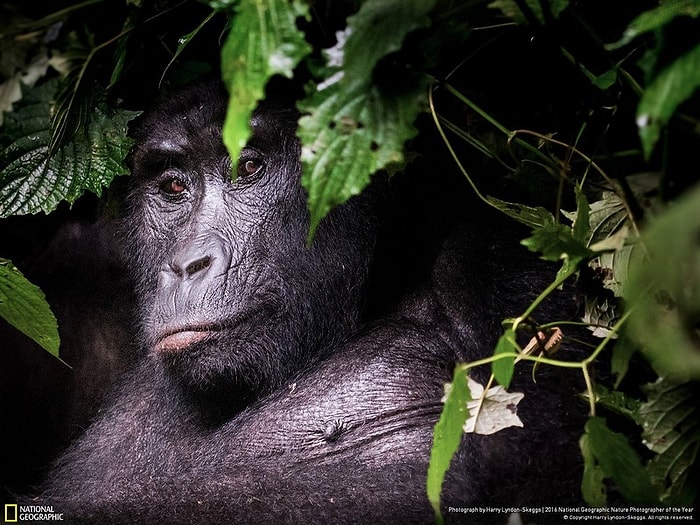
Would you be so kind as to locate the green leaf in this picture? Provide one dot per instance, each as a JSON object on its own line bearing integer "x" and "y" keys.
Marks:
{"x": 665, "y": 291}
{"x": 502, "y": 369}
{"x": 672, "y": 86}
{"x": 32, "y": 180}
{"x": 263, "y": 41}
{"x": 555, "y": 241}
{"x": 658, "y": 17}
{"x": 617, "y": 402}
{"x": 24, "y": 306}
{"x": 592, "y": 482}
{"x": 671, "y": 422}
{"x": 605, "y": 80}
{"x": 353, "y": 127}
{"x": 447, "y": 435}
{"x": 610, "y": 453}
{"x": 611, "y": 228}
{"x": 346, "y": 138}
{"x": 534, "y": 217}
{"x": 623, "y": 350}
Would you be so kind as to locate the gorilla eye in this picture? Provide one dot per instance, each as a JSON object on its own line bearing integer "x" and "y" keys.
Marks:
{"x": 173, "y": 186}
{"x": 248, "y": 167}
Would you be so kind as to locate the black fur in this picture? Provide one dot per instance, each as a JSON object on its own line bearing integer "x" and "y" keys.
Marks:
{"x": 289, "y": 409}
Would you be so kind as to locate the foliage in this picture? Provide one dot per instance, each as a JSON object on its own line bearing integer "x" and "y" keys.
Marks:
{"x": 33, "y": 180}
{"x": 601, "y": 173}
{"x": 666, "y": 314}
{"x": 263, "y": 41}
{"x": 448, "y": 433}
{"x": 24, "y": 306}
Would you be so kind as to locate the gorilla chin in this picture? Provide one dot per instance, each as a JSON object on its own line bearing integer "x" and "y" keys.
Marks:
{"x": 221, "y": 362}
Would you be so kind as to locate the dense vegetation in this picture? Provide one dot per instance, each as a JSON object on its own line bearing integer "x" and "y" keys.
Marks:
{"x": 583, "y": 110}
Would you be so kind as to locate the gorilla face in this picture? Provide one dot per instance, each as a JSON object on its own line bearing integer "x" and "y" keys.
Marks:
{"x": 231, "y": 296}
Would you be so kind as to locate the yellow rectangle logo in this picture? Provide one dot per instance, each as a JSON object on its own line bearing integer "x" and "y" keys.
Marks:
{"x": 10, "y": 512}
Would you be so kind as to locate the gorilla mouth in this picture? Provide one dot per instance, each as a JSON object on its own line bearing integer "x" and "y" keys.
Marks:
{"x": 177, "y": 341}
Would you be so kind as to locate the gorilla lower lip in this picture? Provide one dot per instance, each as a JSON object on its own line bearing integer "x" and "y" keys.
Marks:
{"x": 180, "y": 340}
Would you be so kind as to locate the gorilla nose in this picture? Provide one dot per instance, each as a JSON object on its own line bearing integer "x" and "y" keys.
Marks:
{"x": 187, "y": 265}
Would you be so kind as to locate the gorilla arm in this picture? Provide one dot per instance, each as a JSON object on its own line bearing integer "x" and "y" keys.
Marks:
{"x": 348, "y": 441}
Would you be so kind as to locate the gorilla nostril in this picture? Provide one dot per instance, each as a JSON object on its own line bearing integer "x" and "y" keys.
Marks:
{"x": 197, "y": 266}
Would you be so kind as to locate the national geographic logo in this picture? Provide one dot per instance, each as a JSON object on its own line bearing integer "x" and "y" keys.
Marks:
{"x": 15, "y": 513}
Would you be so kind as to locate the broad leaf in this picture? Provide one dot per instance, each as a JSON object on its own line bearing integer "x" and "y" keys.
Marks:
{"x": 618, "y": 402}
{"x": 672, "y": 86}
{"x": 592, "y": 483}
{"x": 447, "y": 435}
{"x": 671, "y": 420}
{"x": 665, "y": 291}
{"x": 609, "y": 453}
{"x": 31, "y": 180}
{"x": 623, "y": 350}
{"x": 263, "y": 41}
{"x": 556, "y": 242}
{"x": 24, "y": 306}
{"x": 352, "y": 126}
{"x": 655, "y": 19}
{"x": 611, "y": 229}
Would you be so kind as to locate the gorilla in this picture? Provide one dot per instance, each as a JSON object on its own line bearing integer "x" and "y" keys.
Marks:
{"x": 295, "y": 383}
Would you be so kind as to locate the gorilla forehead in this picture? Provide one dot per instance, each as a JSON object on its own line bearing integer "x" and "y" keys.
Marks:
{"x": 193, "y": 117}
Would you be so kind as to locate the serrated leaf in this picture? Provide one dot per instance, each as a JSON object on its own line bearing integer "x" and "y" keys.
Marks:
{"x": 263, "y": 41}
{"x": 611, "y": 230}
{"x": 346, "y": 138}
{"x": 672, "y": 86}
{"x": 32, "y": 180}
{"x": 492, "y": 410}
{"x": 555, "y": 242}
{"x": 618, "y": 402}
{"x": 665, "y": 291}
{"x": 378, "y": 29}
{"x": 601, "y": 314}
{"x": 447, "y": 435}
{"x": 24, "y": 306}
{"x": 502, "y": 369}
{"x": 351, "y": 127}
{"x": 671, "y": 422}
{"x": 611, "y": 453}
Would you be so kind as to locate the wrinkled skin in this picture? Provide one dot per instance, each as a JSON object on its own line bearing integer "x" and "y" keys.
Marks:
{"x": 233, "y": 299}
{"x": 259, "y": 398}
